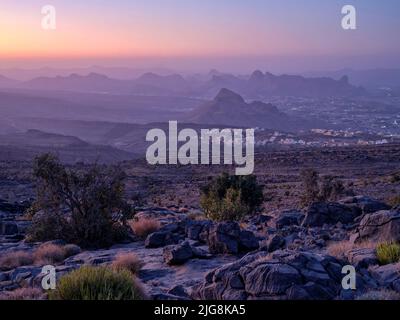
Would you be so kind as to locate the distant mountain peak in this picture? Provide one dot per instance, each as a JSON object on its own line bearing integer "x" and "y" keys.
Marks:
{"x": 257, "y": 74}
{"x": 344, "y": 79}
{"x": 226, "y": 95}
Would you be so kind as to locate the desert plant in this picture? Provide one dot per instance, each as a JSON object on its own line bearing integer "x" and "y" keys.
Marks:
{"x": 339, "y": 249}
{"x": 98, "y": 283}
{"x": 15, "y": 259}
{"x": 49, "y": 226}
{"x": 27, "y": 293}
{"x": 309, "y": 179}
{"x": 144, "y": 226}
{"x": 49, "y": 253}
{"x": 388, "y": 253}
{"x": 231, "y": 197}
{"x": 127, "y": 261}
{"x": 92, "y": 198}
{"x": 316, "y": 188}
{"x": 330, "y": 188}
{"x": 383, "y": 294}
{"x": 394, "y": 201}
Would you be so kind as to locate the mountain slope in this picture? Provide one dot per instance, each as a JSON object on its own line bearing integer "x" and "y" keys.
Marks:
{"x": 261, "y": 85}
{"x": 25, "y": 146}
{"x": 229, "y": 108}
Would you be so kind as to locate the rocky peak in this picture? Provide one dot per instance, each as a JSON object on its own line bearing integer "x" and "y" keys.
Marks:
{"x": 226, "y": 95}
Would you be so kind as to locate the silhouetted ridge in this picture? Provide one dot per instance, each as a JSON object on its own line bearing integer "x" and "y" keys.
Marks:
{"x": 225, "y": 95}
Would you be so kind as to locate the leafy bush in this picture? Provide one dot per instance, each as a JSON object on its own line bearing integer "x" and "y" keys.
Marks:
{"x": 388, "y": 253}
{"x": 230, "y": 198}
{"x": 316, "y": 188}
{"x": 97, "y": 283}
{"x": 85, "y": 203}
{"x": 49, "y": 225}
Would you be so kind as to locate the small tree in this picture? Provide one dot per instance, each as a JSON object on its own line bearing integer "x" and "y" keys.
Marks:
{"x": 316, "y": 188}
{"x": 231, "y": 197}
{"x": 309, "y": 178}
{"x": 92, "y": 198}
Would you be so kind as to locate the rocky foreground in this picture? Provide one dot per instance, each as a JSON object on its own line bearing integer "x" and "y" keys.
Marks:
{"x": 293, "y": 255}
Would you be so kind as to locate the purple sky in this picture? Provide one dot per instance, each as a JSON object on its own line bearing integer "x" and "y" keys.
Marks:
{"x": 234, "y": 35}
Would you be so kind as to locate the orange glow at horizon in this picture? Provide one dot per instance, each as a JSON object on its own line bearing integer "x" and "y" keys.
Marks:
{"x": 76, "y": 37}
{"x": 184, "y": 28}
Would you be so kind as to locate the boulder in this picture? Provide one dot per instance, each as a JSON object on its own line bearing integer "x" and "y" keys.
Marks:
{"x": 161, "y": 239}
{"x": 227, "y": 237}
{"x": 8, "y": 228}
{"x": 366, "y": 204}
{"x": 247, "y": 241}
{"x": 387, "y": 276}
{"x": 289, "y": 218}
{"x": 179, "y": 291}
{"x": 195, "y": 228}
{"x": 362, "y": 257}
{"x": 275, "y": 243}
{"x": 320, "y": 213}
{"x": 223, "y": 238}
{"x": 178, "y": 254}
{"x": 380, "y": 226}
{"x": 282, "y": 275}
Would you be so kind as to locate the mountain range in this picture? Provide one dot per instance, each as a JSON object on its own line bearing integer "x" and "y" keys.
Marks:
{"x": 258, "y": 85}
{"x": 370, "y": 79}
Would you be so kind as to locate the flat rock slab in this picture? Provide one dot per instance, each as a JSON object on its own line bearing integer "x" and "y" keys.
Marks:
{"x": 156, "y": 275}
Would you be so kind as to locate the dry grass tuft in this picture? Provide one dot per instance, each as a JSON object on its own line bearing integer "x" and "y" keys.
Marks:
{"x": 339, "y": 249}
{"x": 127, "y": 261}
{"x": 23, "y": 294}
{"x": 145, "y": 226}
{"x": 16, "y": 259}
{"x": 49, "y": 254}
{"x": 383, "y": 294}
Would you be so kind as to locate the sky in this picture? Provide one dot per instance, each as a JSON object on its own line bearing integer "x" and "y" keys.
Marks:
{"x": 197, "y": 34}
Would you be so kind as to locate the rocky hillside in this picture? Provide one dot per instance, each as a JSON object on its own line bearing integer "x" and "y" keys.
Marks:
{"x": 229, "y": 108}
{"x": 294, "y": 255}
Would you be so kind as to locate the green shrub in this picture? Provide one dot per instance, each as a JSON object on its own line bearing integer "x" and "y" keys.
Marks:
{"x": 230, "y": 198}
{"x": 388, "y": 253}
{"x": 97, "y": 283}
{"x": 48, "y": 226}
{"x": 83, "y": 205}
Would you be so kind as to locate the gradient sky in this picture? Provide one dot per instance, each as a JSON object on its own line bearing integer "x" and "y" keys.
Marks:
{"x": 244, "y": 32}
